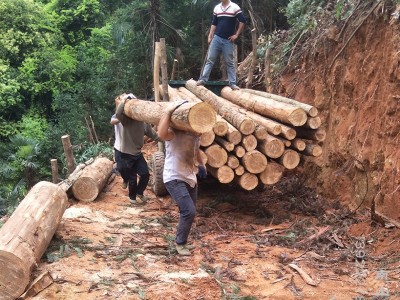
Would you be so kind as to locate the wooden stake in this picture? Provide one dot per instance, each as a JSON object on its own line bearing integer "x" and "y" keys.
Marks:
{"x": 164, "y": 72}
{"x": 156, "y": 72}
{"x": 68, "y": 153}
{"x": 54, "y": 171}
{"x": 174, "y": 69}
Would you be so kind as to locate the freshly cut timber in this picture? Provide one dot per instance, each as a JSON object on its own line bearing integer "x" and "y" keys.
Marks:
{"x": 309, "y": 109}
{"x": 271, "y": 147}
{"x": 193, "y": 117}
{"x": 239, "y": 170}
{"x": 228, "y": 146}
{"x": 310, "y": 134}
{"x": 312, "y": 150}
{"x": 92, "y": 180}
{"x": 290, "y": 159}
{"x": 254, "y": 161}
{"x": 239, "y": 151}
{"x": 283, "y": 112}
{"x": 260, "y": 132}
{"x": 207, "y": 138}
{"x": 226, "y": 109}
{"x": 247, "y": 181}
{"x": 233, "y": 135}
{"x": 272, "y": 126}
{"x": 203, "y": 156}
{"x": 26, "y": 235}
{"x": 224, "y": 174}
{"x": 298, "y": 144}
{"x": 313, "y": 123}
{"x": 233, "y": 161}
{"x": 216, "y": 156}
{"x": 220, "y": 127}
{"x": 272, "y": 173}
{"x": 249, "y": 142}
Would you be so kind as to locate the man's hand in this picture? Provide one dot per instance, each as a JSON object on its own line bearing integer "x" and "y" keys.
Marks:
{"x": 174, "y": 105}
{"x": 233, "y": 38}
{"x": 202, "y": 172}
{"x": 128, "y": 97}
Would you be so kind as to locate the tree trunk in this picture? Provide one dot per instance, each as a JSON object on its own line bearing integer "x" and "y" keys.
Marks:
{"x": 224, "y": 174}
{"x": 207, "y": 138}
{"x": 247, "y": 181}
{"x": 309, "y": 109}
{"x": 249, "y": 142}
{"x": 271, "y": 147}
{"x": 26, "y": 235}
{"x": 228, "y": 146}
{"x": 193, "y": 117}
{"x": 290, "y": 159}
{"x": 283, "y": 112}
{"x": 272, "y": 173}
{"x": 267, "y": 70}
{"x": 239, "y": 151}
{"x": 92, "y": 180}
{"x": 233, "y": 135}
{"x": 216, "y": 156}
{"x": 254, "y": 162}
{"x": 226, "y": 109}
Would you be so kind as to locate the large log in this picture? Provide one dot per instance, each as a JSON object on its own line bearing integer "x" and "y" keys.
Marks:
{"x": 271, "y": 147}
{"x": 92, "y": 180}
{"x": 226, "y": 109}
{"x": 267, "y": 107}
{"x": 224, "y": 174}
{"x": 193, "y": 117}
{"x": 247, "y": 181}
{"x": 311, "y": 110}
{"x": 216, "y": 156}
{"x": 254, "y": 162}
{"x": 26, "y": 235}
{"x": 272, "y": 173}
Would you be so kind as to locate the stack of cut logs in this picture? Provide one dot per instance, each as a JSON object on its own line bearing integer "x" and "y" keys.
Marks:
{"x": 257, "y": 135}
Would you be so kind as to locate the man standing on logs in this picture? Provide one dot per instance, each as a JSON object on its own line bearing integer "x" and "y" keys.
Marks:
{"x": 132, "y": 160}
{"x": 221, "y": 39}
{"x": 182, "y": 150}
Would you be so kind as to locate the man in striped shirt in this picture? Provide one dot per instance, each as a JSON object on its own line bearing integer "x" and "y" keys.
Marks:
{"x": 222, "y": 35}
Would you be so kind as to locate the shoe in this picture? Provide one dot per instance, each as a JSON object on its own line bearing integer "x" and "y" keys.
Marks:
{"x": 200, "y": 82}
{"x": 142, "y": 198}
{"x": 234, "y": 87}
{"x": 124, "y": 185}
{"x": 133, "y": 201}
{"x": 183, "y": 250}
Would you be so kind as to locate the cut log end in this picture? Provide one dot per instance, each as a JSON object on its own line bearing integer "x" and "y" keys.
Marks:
{"x": 247, "y": 127}
{"x": 272, "y": 174}
{"x": 224, "y": 174}
{"x": 312, "y": 112}
{"x": 202, "y": 117}
{"x": 290, "y": 159}
{"x": 85, "y": 189}
{"x": 298, "y": 117}
{"x": 247, "y": 181}
{"x": 14, "y": 276}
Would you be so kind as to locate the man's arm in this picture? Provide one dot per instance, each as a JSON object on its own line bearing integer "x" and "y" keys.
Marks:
{"x": 120, "y": 109}
{"x": 114, "y": 120}
{"x": 238, "y": 32}
{"x": 149, "y": 131}
{"x": 211, "y": 33}
{"x": 164, "y": 132}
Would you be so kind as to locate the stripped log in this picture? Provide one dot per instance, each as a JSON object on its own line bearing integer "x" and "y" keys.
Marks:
{"x": 290, "y": 159}
{"x": 313, "y": 123}
{"x": 207, "y": 138}
{"x": 272, "y": 173}
{"x": 216, "y": 156}
{"x": 239, "y": 170}
{"x": 233, "y": 135}
{"x": 283, "y": 112}
{"x": 271, "y": 147}
{"x": 260, "y": 132}
{"x": 312, "y": 150}
{"x": 285, "y": 142}
{"x": 254, "y": 161}
{"x": 239, "y": 151}
{"x": 247, "y": 181}
{"x": 272, "y": 126}
{"x": 224, "y": 174}
{"x": 204, "y": 157}
{"x": 249, "y": 142}
{"x": 220, "y": 127}
{"x": 233, "y": 161}
{"x": 228, "y": 146}
{"x": 193, "y": 117}
{"x": 226, "y": 109}
{"x": 309, "y": 109}
{"x": 311, "y": 134}
{"x": 92, "y": 180}
{"x": 298, "y": 144}
{"x": 26, "y": 235}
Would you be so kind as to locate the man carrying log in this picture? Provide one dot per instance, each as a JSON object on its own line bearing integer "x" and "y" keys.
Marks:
{"x": 117, "y": 145}
{"x": 182, "y": 150}
{"x": 221, "y": 39}
{"x": 132, "y": 160}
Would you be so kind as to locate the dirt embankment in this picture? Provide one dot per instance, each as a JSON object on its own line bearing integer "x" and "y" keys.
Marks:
{"x": 352, "y": 75}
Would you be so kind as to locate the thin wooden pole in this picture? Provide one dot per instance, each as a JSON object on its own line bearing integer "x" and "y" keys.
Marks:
{"x": 164, "y": 73}
{"x": 54, "y": 171}
{"x": 89, "y": 130}
{"x": 156, "y": 72}
{"x": 267, "y": 70}
{"x": 68, "y": 153}
{"x": 94, "y": 129}
{"x": 174, "y": 69}
{"x": 254, "y": 59}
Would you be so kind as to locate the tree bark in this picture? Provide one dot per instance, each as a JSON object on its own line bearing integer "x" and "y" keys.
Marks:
{"x": 174, "y": 69}
{"x": 92, "y": 180}
{"x": 249, "y": 80}
{"x": 254, "y": 162}
{"x": 309, "y": 109}
{"x": 272, "y": 173}
{"x": 226, "y": 109}
{"x": 249, "y": 142}
{"x": 216, "y": 156}
{"x": 224, "y": 174}
{"x": 267, "y": 70}
{"x": 193, "y": 117}
{"x": 283, "y": 112}
{"x": 207, "y": 138}
{"x": 271, "y": 147}
{"x": 26, "y": 235}
{"x": 247, "y": 181}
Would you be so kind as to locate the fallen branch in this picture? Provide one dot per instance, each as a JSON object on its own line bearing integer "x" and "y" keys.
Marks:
{"x": 303, "y": 275}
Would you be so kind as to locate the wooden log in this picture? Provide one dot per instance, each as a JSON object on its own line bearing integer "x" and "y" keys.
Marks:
{"x": 285, "y": 142}
{"x": 207, "y": 138}
{"x": 26, "y": 235}
{"x": 239, "y": 151}
{"x": 309, "y": 109}
{"x": 272, "y": 173}
{"x": 66, "y": 184}
{"x": 164, "y": 71}
{"x": 260, "y": 132}
{"x": 174, "y": 66}
{"x": 220, "y": 127}
{"x": 92, "y": 180}
{"x": 247, "y": 181}
{"x": 54, "y": 171}
{"x": 311, "y": 134}
{"x": 173, "y": 93}
{"x": 228, "y": 146}
{"x": 204, "y": 157}
{"x": 156, "y": 72}
{"x": 69, "y": 156}
{"x": 272, "y": 127}
{"x": 224, "y": 174}
{"x": 312, "y": 150}
{"x": 298, "y": 144}
{"x": 233, "y": 161}
{"x": 239, "y": 170}
{"x": 193, "y": 117}
{"x": 226, "y": 109}
{"x": 189, "y": 95}
{"x": 216, "y": 156}
{"x": 283, "y": 112}
{"x": 249, "y": 142}
{"x": 254, "y": 161}
{"x": 233, "y": 135}
{"x": 313, "y": 123}
{"x": 271, "y": 147}
{"x": 290, "y": 159}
